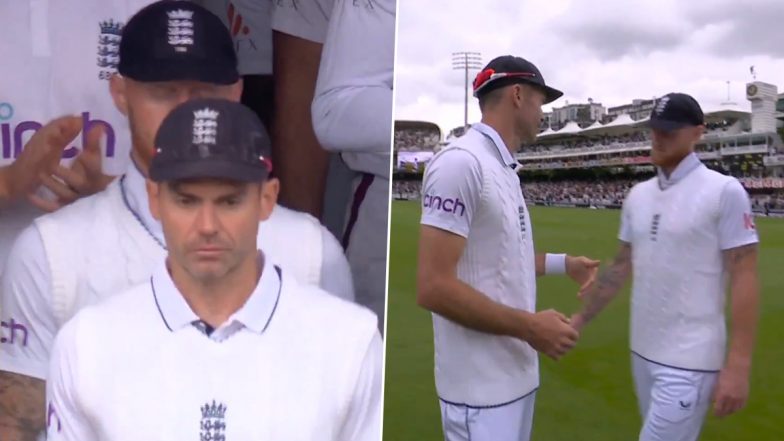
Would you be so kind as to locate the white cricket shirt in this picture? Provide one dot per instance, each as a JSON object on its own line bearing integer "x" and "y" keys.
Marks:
{"x": 43, "y": 79}
{"x": 26, "y": 298}
{"x": 352, "y": 105}
{"x": 294, "y": 363}
{"x": 678, "y": 228}
{"x": 471, "y": 189}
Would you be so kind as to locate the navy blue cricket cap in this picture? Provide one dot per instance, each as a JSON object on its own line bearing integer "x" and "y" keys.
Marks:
{"x": 177, "y": 40}
{"x": 675, "y": 111}
{"x": 507, "y": 70}
{"x": 211, "y": 138}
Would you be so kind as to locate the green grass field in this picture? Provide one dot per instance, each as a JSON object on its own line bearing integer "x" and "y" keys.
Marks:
{"x": 587, "y": 395}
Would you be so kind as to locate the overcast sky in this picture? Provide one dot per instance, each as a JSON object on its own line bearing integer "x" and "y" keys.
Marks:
{"x": 610, "y": 50}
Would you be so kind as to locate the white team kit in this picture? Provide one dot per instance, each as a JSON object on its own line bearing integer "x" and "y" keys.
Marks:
{"x": 352, "y": 114}
{"x": 678, "y": 228}
{"x": 68, "y": 79}
{"x": 143, "y": 366}
{"x": 486, "y": 384}
{"x": 51, "y": 274}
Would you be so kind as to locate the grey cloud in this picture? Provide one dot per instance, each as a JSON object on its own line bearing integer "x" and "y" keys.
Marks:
{"x": 753, "y": 28}
{"x": 613, "y": 51}
{"x": 441, "y": 87}
{"x": 611, "y": 41}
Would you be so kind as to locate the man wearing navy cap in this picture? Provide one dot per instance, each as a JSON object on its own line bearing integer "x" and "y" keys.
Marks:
{"x": 683, "y": 233}
{"x": 213, "y": 346}
{"x": 477, "y": 267}
{"x": 170, "y": 52}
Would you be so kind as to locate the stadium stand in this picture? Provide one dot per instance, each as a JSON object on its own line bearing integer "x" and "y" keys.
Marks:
{"x": 594, "y": 165}
{"x": 416, "y": 136}
{"x": 415, "y": 143}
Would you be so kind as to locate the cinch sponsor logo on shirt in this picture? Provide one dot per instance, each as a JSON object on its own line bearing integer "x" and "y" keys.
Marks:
{"x": 448, "y": 205}
{"x": 12, "y": 136}
{"x": 15, "y": 332}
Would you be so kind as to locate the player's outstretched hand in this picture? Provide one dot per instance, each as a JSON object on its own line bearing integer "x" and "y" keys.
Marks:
{"x": 582, "y": 270}
{"x": 732, "y": 391}
{"x": 41, "y": 154}
{"x": 83, "y": 178}
{"x": 551, "y": 334}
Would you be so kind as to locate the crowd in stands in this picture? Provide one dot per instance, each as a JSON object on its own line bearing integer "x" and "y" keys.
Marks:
{"x": 720, "y": 125}
{"x": 772, "y": 201}
{"x": 610, "y": 192}
{"x": 606, "y": 159}
{"x": 587, "y": 144}
{"x": 745, "y": 166}
{"x": 416, "y": 139}
{"x": 740, "y": 166}
{"x": 456, "y": 132}
{"x": 411, "y": 188}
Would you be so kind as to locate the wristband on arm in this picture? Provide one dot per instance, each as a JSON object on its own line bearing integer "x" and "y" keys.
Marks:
{"x": 554, "y": 263}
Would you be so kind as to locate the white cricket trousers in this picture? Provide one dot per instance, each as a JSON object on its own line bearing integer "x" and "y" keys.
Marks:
{"x": 673, "y": 402}
{"x": 507, "y": 422}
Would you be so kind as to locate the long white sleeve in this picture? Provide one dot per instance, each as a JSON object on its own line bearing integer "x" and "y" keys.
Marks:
{"x": 352, "y": 108}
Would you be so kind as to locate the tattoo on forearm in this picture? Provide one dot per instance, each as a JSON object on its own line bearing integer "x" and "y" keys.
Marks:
{"x": 608, "y": 284}
{"x": 22, "y": 407}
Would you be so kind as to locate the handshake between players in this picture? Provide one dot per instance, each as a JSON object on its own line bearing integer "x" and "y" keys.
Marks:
{"x": 551, "y": 332}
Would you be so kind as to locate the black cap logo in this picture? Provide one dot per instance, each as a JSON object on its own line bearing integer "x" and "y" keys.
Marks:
{"x": 180, "y": 29}
{"x": 205, "y": 126}
{"x": 661, "y": 105}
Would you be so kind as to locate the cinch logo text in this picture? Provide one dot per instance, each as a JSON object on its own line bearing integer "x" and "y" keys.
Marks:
{"x": 12, "y": 137}
{"x": 16, "y": 331}
{"x": 449, "y": 205}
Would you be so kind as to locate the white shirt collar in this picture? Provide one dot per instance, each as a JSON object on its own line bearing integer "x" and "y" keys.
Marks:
{"x": 686, "y": 166}
{"x": 255, "y": 314}
{"x": 135, "y": 191}
{"x": 491, "y": 133}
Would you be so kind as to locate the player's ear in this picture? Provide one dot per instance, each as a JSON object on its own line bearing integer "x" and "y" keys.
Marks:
{"x": 519, "y": 94}
{"x": 154, "y": 197}
{"x": 268, "y": 195}
{"x": 117, "y": 87}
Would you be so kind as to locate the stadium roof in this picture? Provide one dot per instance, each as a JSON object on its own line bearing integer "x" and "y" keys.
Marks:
{"x": 415, "y": 125}
{"x": 570, "y": 128}
{"x": 623, "y": 120}
{"x": 620, "y": 124}
{"x": 727, "y": 112}
{"x": 595, "y": 125}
